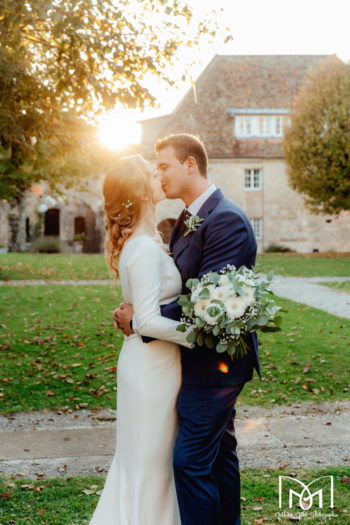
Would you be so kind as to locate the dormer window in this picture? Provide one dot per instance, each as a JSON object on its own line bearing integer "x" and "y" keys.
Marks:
{"x": 258, "y": 123}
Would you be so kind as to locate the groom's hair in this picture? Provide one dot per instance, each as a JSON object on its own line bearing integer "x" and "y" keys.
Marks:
{"x": 186, "y": 145}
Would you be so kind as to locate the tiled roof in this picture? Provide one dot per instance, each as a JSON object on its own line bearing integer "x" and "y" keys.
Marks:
{"x": 234, "y": 82}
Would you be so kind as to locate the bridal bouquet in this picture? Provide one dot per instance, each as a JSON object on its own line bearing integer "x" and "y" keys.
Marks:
{"x": 222, "y": 307}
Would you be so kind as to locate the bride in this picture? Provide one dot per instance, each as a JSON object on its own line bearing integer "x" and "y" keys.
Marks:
{"x": 139, "y": 488}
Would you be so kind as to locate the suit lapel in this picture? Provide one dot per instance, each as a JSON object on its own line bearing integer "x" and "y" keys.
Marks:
{"x": 179, "y": 245}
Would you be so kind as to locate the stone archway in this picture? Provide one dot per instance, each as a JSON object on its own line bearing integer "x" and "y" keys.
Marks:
{"x": 165, "y": 227}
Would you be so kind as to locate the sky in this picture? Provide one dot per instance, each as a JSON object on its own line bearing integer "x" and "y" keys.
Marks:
{"x": 258, "y": 27}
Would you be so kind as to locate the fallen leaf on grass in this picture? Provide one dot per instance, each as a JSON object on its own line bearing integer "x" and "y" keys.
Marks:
{"x": 257, "y": 509}
{"x": 345, "y": 479}
{"x": 285, "y": 465}
{"x": 5, "y": 495}
{"x": 88, "y": 492}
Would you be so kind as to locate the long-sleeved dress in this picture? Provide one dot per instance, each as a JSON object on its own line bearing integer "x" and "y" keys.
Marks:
{"x": 139, "y": 488}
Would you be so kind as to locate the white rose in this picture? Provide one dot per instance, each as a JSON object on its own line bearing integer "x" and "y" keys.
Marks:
{"x": 235, "y": 307}
{"x": 249, "y": 295}
{"x": 222, "y": 293}
{"x": 200, "y": 307}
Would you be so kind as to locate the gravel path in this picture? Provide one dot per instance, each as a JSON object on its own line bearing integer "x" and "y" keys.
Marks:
{"x": 306, "y": 290}
{"x": 50, "y": 444}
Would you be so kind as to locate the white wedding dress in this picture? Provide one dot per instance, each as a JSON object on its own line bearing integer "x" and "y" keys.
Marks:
{"x": 139, "y": 488}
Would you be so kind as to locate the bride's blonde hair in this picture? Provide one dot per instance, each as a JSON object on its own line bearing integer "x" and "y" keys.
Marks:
{"x": 126, "y": 187}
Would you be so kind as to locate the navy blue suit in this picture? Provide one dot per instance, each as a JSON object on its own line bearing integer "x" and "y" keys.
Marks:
{"x": 205, "y": 460}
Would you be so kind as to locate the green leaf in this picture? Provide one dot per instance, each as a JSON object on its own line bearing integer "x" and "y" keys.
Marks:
{"x": 209, "y": 341}
{"x": 181, "y": 328}
{"x": 269, "y": 276}
{"x": 192, "y": 336}
{"x": 270, "y": 329}
{"x": 204, "y": 294}
{"x": 278, "y": 320}
{"x": 221, "y": 347}
{"x": 200, "y": 339}
{"x": 192, "y": 283}
{"x": 213, "y": 311}
{"x": 262, "y": 320}
{"x": 216, "y": 330}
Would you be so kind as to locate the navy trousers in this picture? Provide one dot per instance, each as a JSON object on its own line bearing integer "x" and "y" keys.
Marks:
{"x": 206, "y": 465}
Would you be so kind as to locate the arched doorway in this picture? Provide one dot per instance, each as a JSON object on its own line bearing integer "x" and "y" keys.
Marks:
{"x": 79, "y": 226}
{"x": 165, "y": 227}
{"x": 52, "y": 222}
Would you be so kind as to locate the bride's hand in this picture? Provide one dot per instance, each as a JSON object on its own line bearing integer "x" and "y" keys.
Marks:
{"x": 123, "y": 317}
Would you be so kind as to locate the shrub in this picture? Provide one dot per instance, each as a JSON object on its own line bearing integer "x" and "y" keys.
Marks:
{"x": 79, "y": 237}
{"x": 275, "y": 248}
{"x": 48, "y": 245}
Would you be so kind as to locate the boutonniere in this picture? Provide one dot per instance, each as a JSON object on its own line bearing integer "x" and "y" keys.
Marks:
{"x": 192, "y": 224}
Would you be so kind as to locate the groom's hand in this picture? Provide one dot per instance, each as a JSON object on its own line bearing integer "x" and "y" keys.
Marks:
{"x": 115, "y": 320}
{"x": 123, "y": 317}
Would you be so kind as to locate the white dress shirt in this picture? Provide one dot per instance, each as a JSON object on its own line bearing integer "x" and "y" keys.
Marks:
{"x": 196, "y": 205}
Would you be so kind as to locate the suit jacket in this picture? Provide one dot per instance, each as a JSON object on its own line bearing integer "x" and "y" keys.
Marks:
{"x": 224, "y": 237}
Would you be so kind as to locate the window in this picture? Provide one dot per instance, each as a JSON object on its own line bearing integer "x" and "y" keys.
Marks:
{"x": 253, "y": 179}
{"x": 257, "y": 227}
{"x": 258, "y": 126}
{"x": 52, "y": 222}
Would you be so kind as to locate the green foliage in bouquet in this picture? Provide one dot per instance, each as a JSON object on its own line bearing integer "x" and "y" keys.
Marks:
{"x": 223, "y": 307}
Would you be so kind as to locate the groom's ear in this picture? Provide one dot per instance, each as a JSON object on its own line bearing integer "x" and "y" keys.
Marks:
{"x": 191, "y": 164}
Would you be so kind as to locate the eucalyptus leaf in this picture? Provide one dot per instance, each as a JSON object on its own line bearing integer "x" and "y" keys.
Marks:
{"x": 221, "y": 347}
{"x": 209, "y": 342}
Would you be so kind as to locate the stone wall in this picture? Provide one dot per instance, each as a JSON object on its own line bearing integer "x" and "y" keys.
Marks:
{"x": 286, "y": 220}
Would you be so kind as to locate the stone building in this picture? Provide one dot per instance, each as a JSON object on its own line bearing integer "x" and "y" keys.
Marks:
{"x": 239, "y": 107}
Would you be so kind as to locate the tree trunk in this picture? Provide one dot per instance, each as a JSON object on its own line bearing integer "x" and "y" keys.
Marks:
{"x": 21, "y": 239}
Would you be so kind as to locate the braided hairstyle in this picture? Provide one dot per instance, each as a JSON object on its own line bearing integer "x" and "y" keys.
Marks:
{"x": 125, "y": 187}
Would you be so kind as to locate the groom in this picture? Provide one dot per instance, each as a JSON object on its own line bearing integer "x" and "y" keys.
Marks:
{"x": 205, "y": 460}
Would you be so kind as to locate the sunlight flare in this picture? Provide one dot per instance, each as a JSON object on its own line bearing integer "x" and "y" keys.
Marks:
{"x": 119, "y": 129}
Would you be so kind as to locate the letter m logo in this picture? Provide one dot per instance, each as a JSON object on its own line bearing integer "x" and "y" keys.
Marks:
{"x": 305, "y": 497}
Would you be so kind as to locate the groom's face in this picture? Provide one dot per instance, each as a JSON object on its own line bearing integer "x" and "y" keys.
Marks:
{"x": 174, "y": 177}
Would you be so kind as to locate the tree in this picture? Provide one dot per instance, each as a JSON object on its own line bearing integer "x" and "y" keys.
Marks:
{"x": 317, "y": 143}
{"x": 64, "y": 61}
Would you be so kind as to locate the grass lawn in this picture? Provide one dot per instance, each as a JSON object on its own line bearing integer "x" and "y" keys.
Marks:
{"x": 55, "y": 266}
{"x": 342, "y": 287}
{"x": 86, "y": 266}
{"x": 72, "y": 501}
{"x": 305, "y": 265}
{"x": 58, "y": 348}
